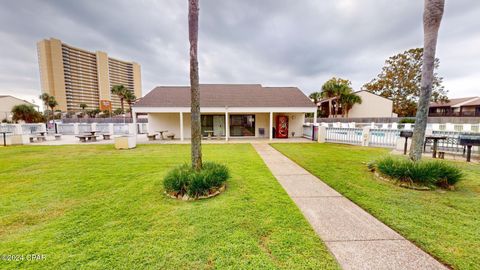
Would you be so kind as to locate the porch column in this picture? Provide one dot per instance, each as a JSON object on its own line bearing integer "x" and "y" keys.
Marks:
{"x": 181, "y": 126}
{"x": 270, "y": 132}
{"x": 227, "y": 127}
{"x": 315, "y": 118}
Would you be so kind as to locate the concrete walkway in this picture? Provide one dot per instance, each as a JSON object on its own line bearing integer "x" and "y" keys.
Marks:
{"x": 354, "y": 237}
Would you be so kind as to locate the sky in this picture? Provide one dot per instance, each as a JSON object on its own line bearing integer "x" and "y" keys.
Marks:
{"x": 271, "y": 42}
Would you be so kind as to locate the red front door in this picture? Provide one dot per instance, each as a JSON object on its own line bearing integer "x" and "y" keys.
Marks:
{"x": 282, "y": 126}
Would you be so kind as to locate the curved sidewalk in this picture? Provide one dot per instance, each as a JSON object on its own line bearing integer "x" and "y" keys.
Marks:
{"x": 356, "y": 239}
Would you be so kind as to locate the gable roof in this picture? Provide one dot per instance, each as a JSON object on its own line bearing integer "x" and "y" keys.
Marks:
{"x": 231, "y": 95}
{"x": 19, "y": 99}
{"x": 454, "y": 102}
{"x": 356, "y": 92}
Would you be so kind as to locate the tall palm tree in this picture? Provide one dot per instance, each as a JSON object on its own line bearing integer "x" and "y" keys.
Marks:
{"x": 432, "y": 16}
{"x": 334, "y": 88}
{"x": 44, "y": 97}
{"x": 120, "y": 91}
{"x": 347, "y": 100}
{"x": 196, "y": 140}
{"x": 130, "y": 99}
{"x": 52, "y": 103}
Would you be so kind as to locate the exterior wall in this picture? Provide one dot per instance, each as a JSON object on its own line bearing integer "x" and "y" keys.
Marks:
{"x": 371, "y": 106}
{"x": 137, "y": 80}
{"x": 6, "y": 105}
{"x": 76, "y": 76}
{"x": 102, "y": 71}
{"x": 52, "y": 74}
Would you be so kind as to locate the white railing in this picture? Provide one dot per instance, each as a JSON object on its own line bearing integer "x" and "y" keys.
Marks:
{"x": 103, "y": 127}
{"x": 119, "y": 129}
{"x": 66, "y": 129}
{"x": 32, "y": 128}
{"x": 84, "y": 128}
{"x": 344, "y": 135}
{"x": 383, "y": 137}
{"x": 8, "y": 128}
{"x": 310, "y": 132}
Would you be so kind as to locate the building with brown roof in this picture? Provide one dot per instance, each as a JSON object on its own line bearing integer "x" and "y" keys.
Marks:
{"x": 467, "y": 106}
{"x": 228, "y": 110}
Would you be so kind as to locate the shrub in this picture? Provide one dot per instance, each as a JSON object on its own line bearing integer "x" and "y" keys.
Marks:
{"x": 407, "y": 121}
{"x": 185, "y": 180}
{"x": 427, "y": 172}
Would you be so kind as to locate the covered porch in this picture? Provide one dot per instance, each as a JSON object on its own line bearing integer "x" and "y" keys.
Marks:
{"x": 229, "y": 123}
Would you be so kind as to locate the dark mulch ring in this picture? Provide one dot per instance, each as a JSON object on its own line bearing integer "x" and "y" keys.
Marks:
{"x": 184, "y": 197}
{"x": 403, "y": 184}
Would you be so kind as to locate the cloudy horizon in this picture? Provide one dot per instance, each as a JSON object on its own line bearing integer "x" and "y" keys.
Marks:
{"x": 274, "y": 43}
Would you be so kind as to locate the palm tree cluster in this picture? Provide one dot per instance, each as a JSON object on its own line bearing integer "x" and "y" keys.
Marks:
{"x": 340, "y": 95}
{"x": 49, "y": 102}
{"x": 125, "y": 95}
{"x": 27, "y": 113}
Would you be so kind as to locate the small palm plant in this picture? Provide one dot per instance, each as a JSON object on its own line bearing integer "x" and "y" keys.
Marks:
{"x": 83, "y": 106}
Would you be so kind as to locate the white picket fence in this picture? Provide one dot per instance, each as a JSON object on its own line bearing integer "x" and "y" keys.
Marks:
{"x": 76, "y": 128}
{"x": 388, "y": 138}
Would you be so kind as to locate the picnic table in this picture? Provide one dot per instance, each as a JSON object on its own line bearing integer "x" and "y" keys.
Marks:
{"x": 40, "y": 138}
{"x": 41, "y": 133}
{"x": 87, "y": 137}
{"x": 469, "y": 141}
{"x": 5, "y": 137}
{"x": 161, "y": 133}
{"x": 92, "y": 132}
{"x": 435, "y": 139}
{"x": 209, "y": 134}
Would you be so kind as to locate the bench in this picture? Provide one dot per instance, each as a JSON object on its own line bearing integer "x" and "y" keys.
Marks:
{"x": 106, "y": 136}
{"x": 441, "y": 154}
{"x": 152, "y": 137}
{"x": 39, "y": 138}
{"x": 58, "y": 137}
{"x": 171, "y": 136}
{"x": 85, "y": 138}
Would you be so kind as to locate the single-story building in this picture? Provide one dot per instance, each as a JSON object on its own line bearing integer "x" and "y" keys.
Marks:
{"x": 467, "y": 106}
{"x": 7, "y": 103}
{"x": 372, "y": 105}
{"x": 228, "y": 110}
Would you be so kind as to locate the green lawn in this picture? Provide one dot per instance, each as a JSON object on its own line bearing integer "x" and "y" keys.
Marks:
{"x": 93, "y": 207}
{"x": 445, "y": 224}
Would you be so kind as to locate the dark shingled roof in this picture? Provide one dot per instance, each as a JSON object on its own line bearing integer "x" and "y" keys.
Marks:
{"x": 231, "y": 95}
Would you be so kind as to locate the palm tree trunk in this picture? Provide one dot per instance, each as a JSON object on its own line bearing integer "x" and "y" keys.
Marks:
{"x": 196, "y": 139}
{"x": 432, "y": 17}
{"x": 121, "y": 103}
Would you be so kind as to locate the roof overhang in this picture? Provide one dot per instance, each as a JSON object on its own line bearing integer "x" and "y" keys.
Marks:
{"x": 225, "y": 109}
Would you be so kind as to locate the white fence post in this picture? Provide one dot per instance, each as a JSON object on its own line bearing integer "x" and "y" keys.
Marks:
{"x": 365, "y": 136}
{"x": 75, "y": 129}
{"x": 18, "y": 129}
{"x": 132, "y": 128}
{"x": 322, "y": 134}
